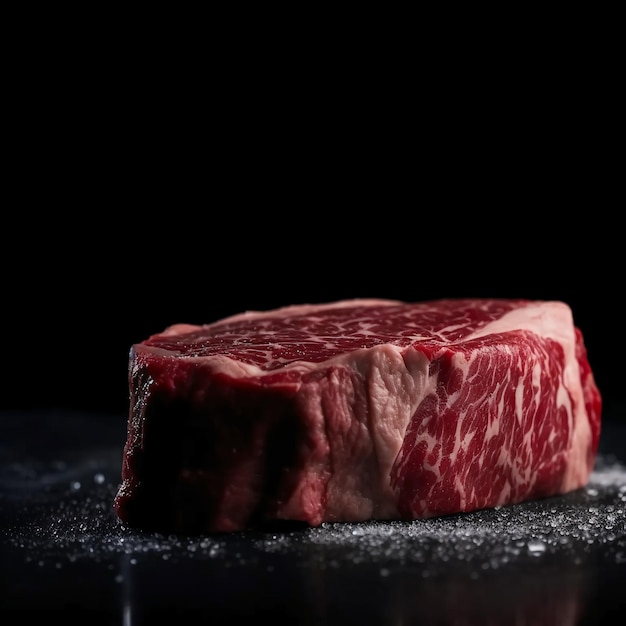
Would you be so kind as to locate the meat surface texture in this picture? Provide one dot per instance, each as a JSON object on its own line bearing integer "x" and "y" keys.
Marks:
{"x": 357, "y": 410}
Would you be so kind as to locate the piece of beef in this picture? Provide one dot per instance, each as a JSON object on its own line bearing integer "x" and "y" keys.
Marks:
{"x": 356, "y": 410}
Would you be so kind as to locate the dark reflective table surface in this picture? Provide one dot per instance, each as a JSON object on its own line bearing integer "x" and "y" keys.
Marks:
{"x": 63, "y": 553}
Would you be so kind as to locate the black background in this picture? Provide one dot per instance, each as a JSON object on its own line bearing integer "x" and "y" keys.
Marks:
{"x": 144, "y": 189}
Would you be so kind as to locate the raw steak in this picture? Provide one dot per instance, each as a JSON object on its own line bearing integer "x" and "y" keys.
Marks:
{"x": 357, "y": 410}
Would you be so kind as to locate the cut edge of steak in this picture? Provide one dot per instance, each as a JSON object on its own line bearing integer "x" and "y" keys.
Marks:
{"x": 356, "y": 410}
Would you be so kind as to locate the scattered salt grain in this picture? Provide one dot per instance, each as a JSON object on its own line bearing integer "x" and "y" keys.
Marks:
{"x": 80, "y": 524}
{"x": 536, "y": 547}
{"x": 99, "y": 478}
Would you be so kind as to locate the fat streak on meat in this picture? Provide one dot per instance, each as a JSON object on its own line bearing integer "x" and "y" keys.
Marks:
{"x": 357, "y": 410}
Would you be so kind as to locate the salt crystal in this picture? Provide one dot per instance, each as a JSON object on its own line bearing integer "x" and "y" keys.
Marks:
{"x": 536, "y": 547}
{"x": 99, "y": 478}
